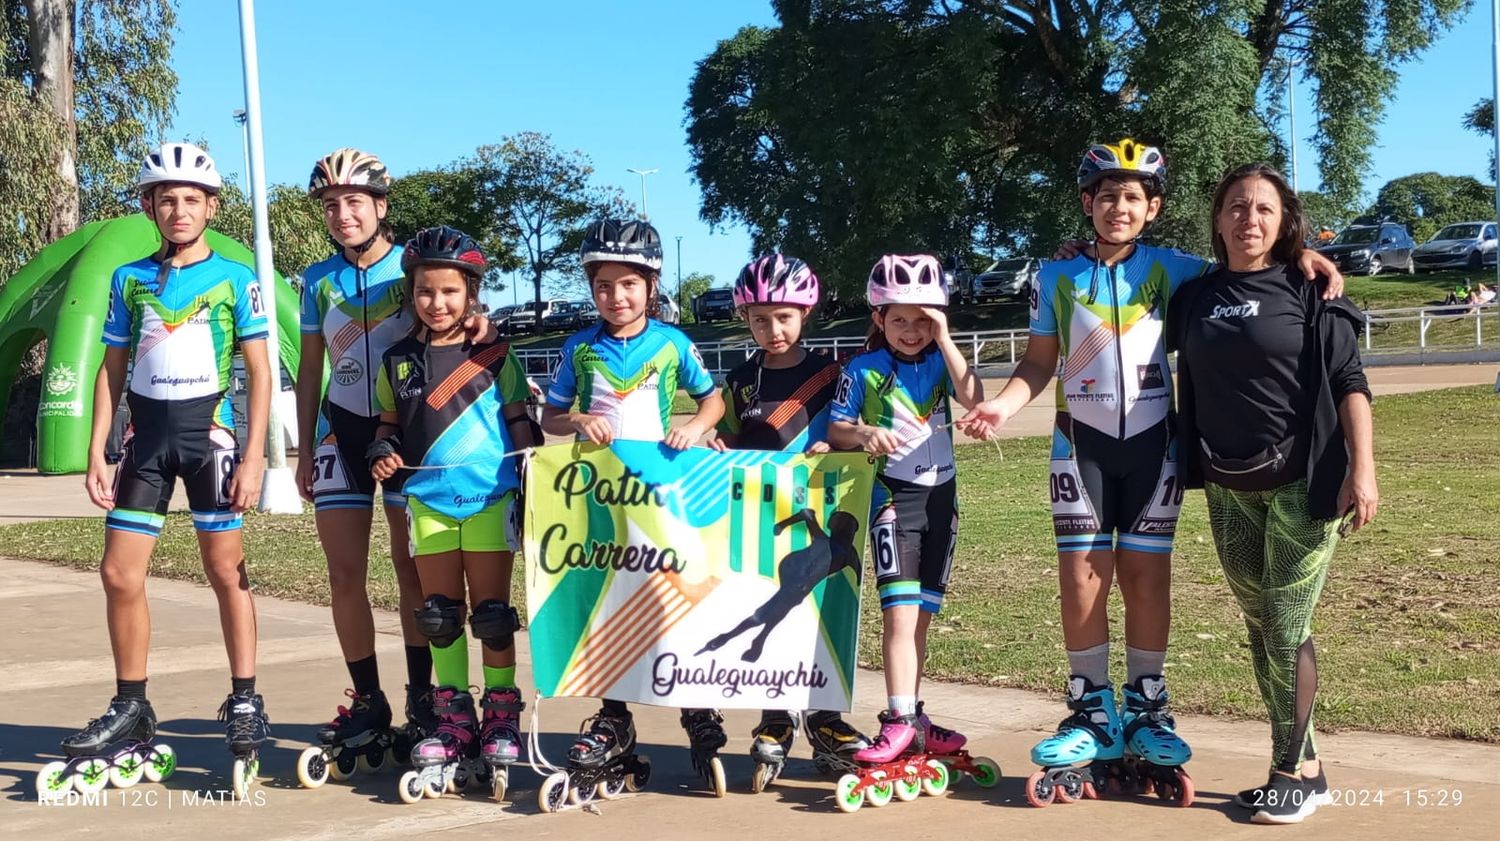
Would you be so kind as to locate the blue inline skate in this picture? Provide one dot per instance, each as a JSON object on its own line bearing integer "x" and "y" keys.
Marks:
{"x": 1154, "y": 752}
{"x": 1085, "y": 754}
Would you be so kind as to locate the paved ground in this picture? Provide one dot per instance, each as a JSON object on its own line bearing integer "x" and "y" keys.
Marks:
{"x": 55, "y": 673}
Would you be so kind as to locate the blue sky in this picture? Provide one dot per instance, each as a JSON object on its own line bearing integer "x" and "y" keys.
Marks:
{"x": 345, "y": 73}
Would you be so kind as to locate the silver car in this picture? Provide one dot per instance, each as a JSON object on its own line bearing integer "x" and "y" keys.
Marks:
{"x": 1005, "y": 279}
{"x": 1464, "y": 245}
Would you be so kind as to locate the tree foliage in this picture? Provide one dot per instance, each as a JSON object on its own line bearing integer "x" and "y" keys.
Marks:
{"x": 693, "y": 285}
{"x": 298, "y": 236}
{"x": 455, "y": 195}
{"x": 1481, "y": 120}
{"x": 861, "y": 126}
{"x": 1426, "y": 201}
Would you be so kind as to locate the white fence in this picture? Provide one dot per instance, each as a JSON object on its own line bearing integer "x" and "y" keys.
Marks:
{"x": 1449, "y": 327}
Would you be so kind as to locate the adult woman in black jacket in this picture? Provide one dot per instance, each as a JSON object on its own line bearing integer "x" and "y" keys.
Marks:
{"x": 1274, "y": 416}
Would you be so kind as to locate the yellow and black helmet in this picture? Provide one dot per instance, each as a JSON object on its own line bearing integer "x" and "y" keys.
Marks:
{"x": 349, "y": 168}
{"x": 1126, "y": 157}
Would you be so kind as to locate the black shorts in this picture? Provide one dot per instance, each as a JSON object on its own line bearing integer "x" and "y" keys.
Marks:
{"x": 1102, "y": 486}
{"x": 170, "y": 439}
{"x": 913, "y": 529}
{"x": 341, "y": 475}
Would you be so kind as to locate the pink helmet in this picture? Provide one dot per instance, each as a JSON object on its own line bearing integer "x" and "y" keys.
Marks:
{"x": 776, "y": 279}
{"x": 907, "y": 279}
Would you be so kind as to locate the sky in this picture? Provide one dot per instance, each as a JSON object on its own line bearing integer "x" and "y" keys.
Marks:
{"x": 422, "y": 84}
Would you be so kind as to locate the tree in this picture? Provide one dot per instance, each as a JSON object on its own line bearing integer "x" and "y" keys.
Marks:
{"x": 693, "y": 285}
{"x": 1426, "y": 201}
{"x": 1481, "y": 120}
{"x": 298, "y": 236}
{"x": 455, "y": 196}
{"x": 545, "y": 201}
{"x": 1323, "y": 212}
{"x": 857, "y": 126}
{"x": 101, "y": 70}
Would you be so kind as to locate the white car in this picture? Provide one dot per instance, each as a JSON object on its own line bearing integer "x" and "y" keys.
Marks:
{"x": 1465, "y": 245}
{"x": 667, "y": 311}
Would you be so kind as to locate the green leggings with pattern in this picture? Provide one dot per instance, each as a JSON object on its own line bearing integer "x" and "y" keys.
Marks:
{"x": 1275, "y": 558}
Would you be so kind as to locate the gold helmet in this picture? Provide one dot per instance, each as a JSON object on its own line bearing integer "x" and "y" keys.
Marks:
{"x": 349, "y": 168}
{"x": 1124, "y": 158}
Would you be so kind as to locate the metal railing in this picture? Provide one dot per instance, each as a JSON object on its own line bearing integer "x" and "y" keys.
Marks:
{"x": 1387, "y": 331}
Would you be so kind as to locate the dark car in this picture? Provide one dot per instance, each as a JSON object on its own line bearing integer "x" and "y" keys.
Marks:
{"x": 1005, "y": 279}
{"x": 1371, "y": 249}
{"x": 524, "y": 320}
{"x": 563, "y": 316}
{"x": 715, "y": 305}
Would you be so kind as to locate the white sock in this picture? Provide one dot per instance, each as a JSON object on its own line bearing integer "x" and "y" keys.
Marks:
{"x": 1142, "y": 662}
{"x": 1092, "y": 663}
{"x": 903, "y": 704}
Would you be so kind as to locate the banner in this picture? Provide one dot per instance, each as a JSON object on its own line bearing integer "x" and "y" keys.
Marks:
{"x": 695, "y": 578}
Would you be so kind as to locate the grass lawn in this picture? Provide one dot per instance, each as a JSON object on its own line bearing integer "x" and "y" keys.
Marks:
{"x": 1408, "y": 629}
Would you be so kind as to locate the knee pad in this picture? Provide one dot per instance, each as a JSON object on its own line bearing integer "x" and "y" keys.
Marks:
{"x": 441, "y": 620}
{"x": 495, "y": 624}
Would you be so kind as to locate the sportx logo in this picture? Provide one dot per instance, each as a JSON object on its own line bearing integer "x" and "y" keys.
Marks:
{"x": 1245, "y": 310}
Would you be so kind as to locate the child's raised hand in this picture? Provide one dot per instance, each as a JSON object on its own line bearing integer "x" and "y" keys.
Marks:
{"x": 818, "y": 448}
{"x": 386, "y": 466}
{"x": 594, "y": 428}
{"x": 684, "y": 436}
{"x": 880, "y": 442}
{"x": 939, "y": 321}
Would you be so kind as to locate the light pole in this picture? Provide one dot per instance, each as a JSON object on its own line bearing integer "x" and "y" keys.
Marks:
{"x": 1291, "y": 110}
{"x": 279, "y": 489}
{"x": 643, "y": 173}
{"x": 681, "y": 306}
{"x": 243, "y": 121}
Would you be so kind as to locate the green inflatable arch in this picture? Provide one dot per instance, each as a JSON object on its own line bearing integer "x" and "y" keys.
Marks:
{"x": 62, "y": 295}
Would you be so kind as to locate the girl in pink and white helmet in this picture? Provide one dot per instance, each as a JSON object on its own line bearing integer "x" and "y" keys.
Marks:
{"x": 779, "y": 399}
{"x": 892, "y": 402}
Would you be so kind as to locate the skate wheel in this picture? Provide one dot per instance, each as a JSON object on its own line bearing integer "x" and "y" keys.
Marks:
{"x": 499, "y": 781}
{"x": 370, "y": 763}
{"x": 410, "y": 788}
{"x": 128, "y": 769}
{"x": 460, "y": 780}
{"x": 716, "y": 777}
{"x": 161, "y": 764}
{"x": 1070, "y": 788}
{"x": 909, "y": 786}
{"x": 243, "y": 776}
{"x": 848, "y": 796}
{"x": 610, "y": 788}
{"x": 764, "y": 775}
{"x": 553, "y": 793}
{"x": 935, "y": 779}
{"x": 1184, "y": 789}
{"x": 312, "y": 768}
{"x": 638, "y": 778}
{"x": 343, "y": 766}
{"x": 881, "y": 792}
{"x": 985, "y": 772}
{"x": 91, "y": 776}
{"x": 434, "y": 788}
{"x": 1039, "y": 792}
{"x": 53, "y": 781}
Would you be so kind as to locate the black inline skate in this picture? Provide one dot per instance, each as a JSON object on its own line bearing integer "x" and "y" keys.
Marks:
{"x": 359, "y": 738}
{"x": 705, "y": 730}
{"x": 770, "y": 745}
{"x": 246, "y": 728}
{"x": 602, "y": 763}
{"x": 114, "y": 749}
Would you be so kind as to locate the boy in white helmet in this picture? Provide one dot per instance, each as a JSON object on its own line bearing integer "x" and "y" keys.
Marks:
{"x": 175, "y": 320}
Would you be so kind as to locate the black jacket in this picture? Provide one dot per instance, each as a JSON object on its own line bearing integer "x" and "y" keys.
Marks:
{"x": 1335, "y": 331}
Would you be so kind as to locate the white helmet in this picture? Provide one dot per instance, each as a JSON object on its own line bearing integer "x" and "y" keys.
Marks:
{"x": 915, "y": 279}
{"x": 179, "y": 163}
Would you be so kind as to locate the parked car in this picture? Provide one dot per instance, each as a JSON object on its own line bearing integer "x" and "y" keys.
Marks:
{"x": 500, "y": 317}
{"x": 564, "y": 316}
{"x": 524, "y": 320}
{"x": 714, "y": 305}
{"x": 1005, "y": 279}
{"x": 667, "y": 311}
{"x": 1465, "y": 245}
{"x": 1371, "y": 249}
{"x": 958, "y": 277}
{"x": 586, "y": 315}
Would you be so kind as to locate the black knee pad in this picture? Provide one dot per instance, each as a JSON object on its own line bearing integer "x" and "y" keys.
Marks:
{"x": 441, "y": 620}
{"x": 495, "y": 624}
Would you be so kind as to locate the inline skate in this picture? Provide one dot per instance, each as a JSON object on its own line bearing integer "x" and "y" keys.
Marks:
{"x": 359, "y": 738}
{"x": 601, "y": 763}
{"x": 114, "y": 749}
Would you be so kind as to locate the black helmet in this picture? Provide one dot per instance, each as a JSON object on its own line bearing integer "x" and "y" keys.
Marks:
{"x": 444, "y": 246}
{"x": 620, "y": 241}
